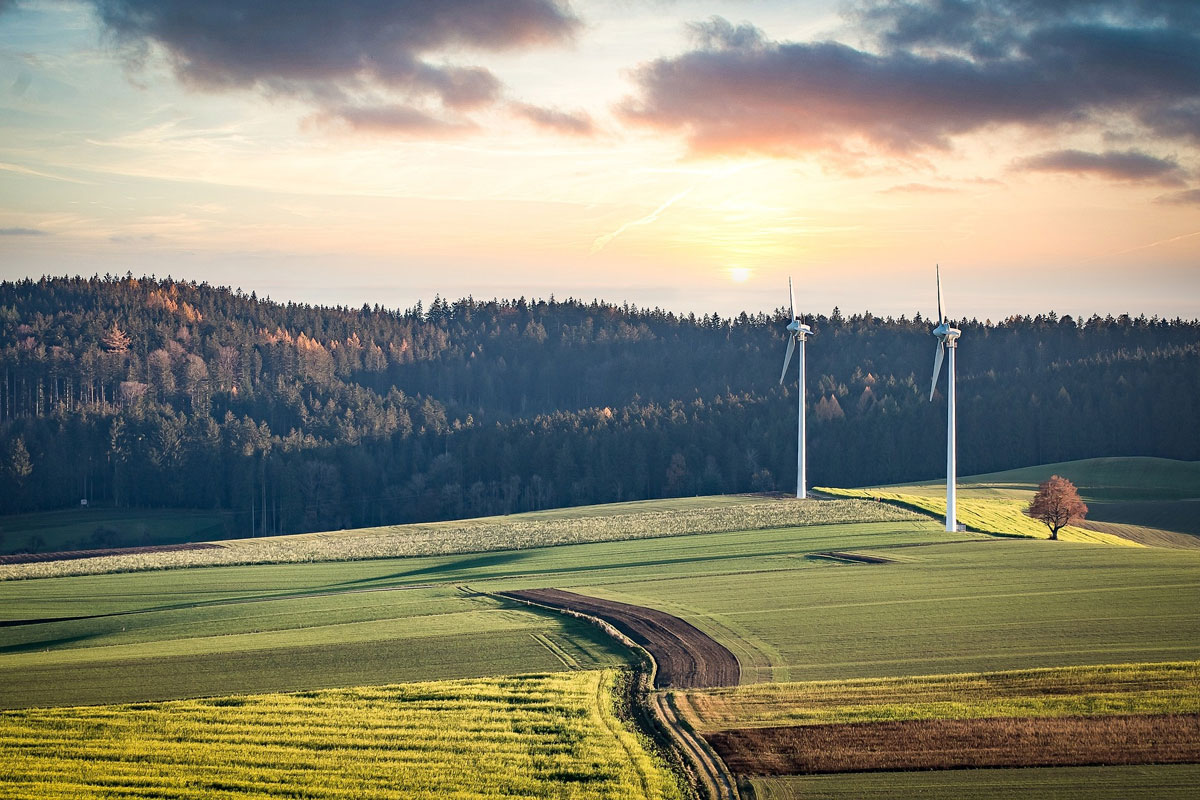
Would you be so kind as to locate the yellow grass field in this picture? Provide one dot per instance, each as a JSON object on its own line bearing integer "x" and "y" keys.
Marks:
{"x": 528, "y": 736}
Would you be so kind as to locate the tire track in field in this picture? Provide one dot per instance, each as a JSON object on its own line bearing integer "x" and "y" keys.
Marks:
{"x": 694, "y": 660}
{"x": 686, "y": 657}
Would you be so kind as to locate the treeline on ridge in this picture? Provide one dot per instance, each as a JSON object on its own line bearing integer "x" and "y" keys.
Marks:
{"x": 143, "y": 392}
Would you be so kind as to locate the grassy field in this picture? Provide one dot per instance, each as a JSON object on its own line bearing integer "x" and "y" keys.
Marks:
{"x": 942, "y": 603}
{"x": 534, "y": 736}
{"x": 1159, "y": 688}
{"x": 985, "y": 514}
{"x": 1160, "y": 782}
{"x": 80, "y": 529}
{"x": 617, "y": 522}
{"x": 1151, "y": 501}
{"x": 949, "y": 603}
{"x": 971, "y": 606}
{"x": 297, "y": 643}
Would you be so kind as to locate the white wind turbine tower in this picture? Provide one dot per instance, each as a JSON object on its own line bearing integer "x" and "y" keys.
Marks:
{"x": 947, "y": 340}
{"x": 799, "y": 332}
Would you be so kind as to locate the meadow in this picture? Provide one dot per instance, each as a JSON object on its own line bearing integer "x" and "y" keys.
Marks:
{"x": 532, "y": 736}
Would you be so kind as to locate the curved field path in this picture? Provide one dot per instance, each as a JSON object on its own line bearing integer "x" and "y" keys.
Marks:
{"x": 687, "y": 658}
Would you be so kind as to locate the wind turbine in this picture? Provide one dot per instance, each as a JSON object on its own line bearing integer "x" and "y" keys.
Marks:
{"x": 799, "y": 332}
{"x": 947, "y": 340}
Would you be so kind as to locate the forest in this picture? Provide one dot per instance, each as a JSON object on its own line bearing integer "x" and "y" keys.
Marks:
{"x": 163, "y": 393}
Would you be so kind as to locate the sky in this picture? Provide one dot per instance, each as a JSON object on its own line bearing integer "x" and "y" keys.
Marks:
{"x": 688, "y": 155}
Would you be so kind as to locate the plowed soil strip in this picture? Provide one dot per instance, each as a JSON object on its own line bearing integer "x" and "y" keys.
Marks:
{"x": 961, "y": 744}
{"x": 687, "y": 657}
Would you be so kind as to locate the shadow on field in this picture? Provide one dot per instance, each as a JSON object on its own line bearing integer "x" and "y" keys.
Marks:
{"x": 453, "y": 570}
{"x": 45, "y": 644}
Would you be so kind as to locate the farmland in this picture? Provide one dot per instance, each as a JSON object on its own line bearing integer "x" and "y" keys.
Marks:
{"x": 615, "y": 522}
{"x": 1158, "y": 782}
{"x": 533, "y": 736}
{"x": 913, "y": 624}
{"x": 1141, "y": 500}
{"x": 1158, "y": 688}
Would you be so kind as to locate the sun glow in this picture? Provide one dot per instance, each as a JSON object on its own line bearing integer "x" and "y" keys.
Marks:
{"x": 739, "y": 274}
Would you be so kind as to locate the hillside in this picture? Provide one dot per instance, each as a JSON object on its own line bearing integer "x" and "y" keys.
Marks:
{"x": 1143, "y": 500}
{"x": 284, "y": 418}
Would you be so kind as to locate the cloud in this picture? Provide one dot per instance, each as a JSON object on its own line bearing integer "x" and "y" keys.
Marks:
{"x": 602, "y": 241}
{"x": 1130, "y": 165}
{"x": 918, "y": 188}
{"x": 575, "y": 123}
{"x": 393, "y": 119}
{"x": 331, "y": 54}
{"x": 942, "y": 69}
{"x": 1187, "y": 197}
{"x": 22, "y": 232}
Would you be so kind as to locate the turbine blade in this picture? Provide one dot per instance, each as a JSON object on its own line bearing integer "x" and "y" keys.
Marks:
{"x": 941, "y": 312}
{"x": 788, "y": 358}
{"x": 791, "y": 300}
{"x": 937, "y": 367}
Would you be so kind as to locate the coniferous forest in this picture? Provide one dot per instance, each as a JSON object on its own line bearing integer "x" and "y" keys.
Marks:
{"x": 140, "y": 392}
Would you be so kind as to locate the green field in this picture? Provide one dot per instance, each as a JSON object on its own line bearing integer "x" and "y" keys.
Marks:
{"x": 940, "y": 604}
{"x": 616, "y": 522}
{"x": 949, "y": 603}
{"x": 535, "y": 736}
{"x": 89, "y": 528}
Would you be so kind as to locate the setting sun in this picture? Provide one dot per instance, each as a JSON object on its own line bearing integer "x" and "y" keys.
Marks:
{"x": 739, "y": 274}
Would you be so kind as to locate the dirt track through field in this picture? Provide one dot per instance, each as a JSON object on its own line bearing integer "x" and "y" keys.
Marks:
{"x": 687, "y": 658}
{"x": 961, "y": 743}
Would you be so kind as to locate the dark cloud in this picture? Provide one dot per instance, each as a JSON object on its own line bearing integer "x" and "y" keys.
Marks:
{"x": 331, "y": 53}
{"x": 943, "y": 68}
{"x": 1187, "y": 197}
{"x": 994, "y": 28}
{"x": 22, "y": 231}
{"x": 1129, "y": 165}
{"x": 575, "y": 123}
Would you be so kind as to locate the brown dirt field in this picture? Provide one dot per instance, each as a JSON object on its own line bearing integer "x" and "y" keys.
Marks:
{"x": 67, "y": 555}
{"x": 962, "y": 744}
{"x": 687, "y": 657}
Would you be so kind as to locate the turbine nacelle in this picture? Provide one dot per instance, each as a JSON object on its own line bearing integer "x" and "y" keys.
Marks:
{"x": 946, "y": 333}
{"x": 798, "y": 328}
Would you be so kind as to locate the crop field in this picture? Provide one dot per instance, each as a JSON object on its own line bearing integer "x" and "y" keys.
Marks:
{"x": 948, "y": 603}
{"x": 533, "y": 736}
{"x": 1151, "y": 501}
{"x": 619, "y": 522}
{"x": 985, "y": 514}
{"x": 971, "y": 606}
{"x": 301, "y": 643}
{"x": 1158, "y": 688}
{"x": 1016, "y": 628}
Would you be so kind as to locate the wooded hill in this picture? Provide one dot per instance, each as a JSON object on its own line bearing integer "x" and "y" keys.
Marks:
{"x": 164, "y": 393}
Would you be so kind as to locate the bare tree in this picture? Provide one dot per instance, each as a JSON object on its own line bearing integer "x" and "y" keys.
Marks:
{"x": 116, "y": 340}
{"x": 1057, "y": 504}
